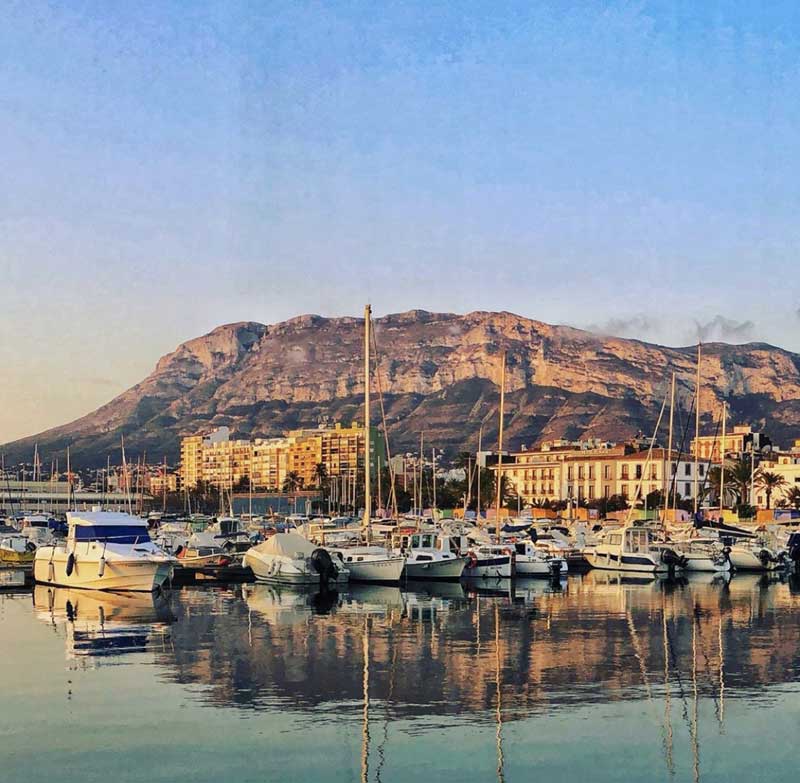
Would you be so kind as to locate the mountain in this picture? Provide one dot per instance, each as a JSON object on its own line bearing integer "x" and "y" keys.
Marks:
{"x": 439, "y": 372}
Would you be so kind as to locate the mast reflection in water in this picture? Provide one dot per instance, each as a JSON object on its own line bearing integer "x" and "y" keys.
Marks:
{"x": 617, "y": 679}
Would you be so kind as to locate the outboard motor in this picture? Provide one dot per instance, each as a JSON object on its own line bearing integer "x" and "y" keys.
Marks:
{"x": 765, "y": 556}
{"x": 671, "y": 559}
{"x": 322, "y": 563}
{"x": 555, "y": 569}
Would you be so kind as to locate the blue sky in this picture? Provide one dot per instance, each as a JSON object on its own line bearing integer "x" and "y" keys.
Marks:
{"x": 170, "y": 166}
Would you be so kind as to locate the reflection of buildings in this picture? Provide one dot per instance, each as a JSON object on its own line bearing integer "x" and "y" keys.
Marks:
{"x": 439, "y": 654}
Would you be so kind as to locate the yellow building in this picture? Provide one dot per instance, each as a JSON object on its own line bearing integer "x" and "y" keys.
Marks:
{"x": 191, "y": 460}
{"x": 222, "y": 462}
{"x": 738, "y": 441}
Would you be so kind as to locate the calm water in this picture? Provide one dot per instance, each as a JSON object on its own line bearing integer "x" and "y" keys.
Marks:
{"x": 614, "y": 681}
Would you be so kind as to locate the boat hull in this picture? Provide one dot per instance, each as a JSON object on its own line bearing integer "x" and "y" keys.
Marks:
{"x": 450, "y": 570}
{"x": 13, "y": 559}
{"x": 490, "y": 568}
{"x": 389, "y": 570}
{"x": 748, "y": 560}
{"x": 705, "y": 563}
{"x": 540, "y": 568}
{"x": 283, "y": 571}
{"x": 626, "y": 563}
{"x": 134, "y": 575}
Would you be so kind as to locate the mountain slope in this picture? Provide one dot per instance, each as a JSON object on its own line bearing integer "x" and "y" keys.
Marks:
{"x": 439, "y": 373}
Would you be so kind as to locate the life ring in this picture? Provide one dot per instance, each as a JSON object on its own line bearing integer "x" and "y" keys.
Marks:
{"x": 70, "y": 563}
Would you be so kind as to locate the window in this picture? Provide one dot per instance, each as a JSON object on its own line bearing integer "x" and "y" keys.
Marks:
{"x": 687, "y": 489}
{"x": 687, "y": 469}
{"x": 591, "y": 492}
{"x": 591, "y": 472}
{"x": 580, "y": 471}
{"x": 606, "y": 491}
{"x": 569, "y": 473}
{"x": 625, "y": 474}
{"x": 638, "y": 471}
{"x": 623, "y": 490}
{"x": 607, "y": 472}
{"x": 702, "y": 469}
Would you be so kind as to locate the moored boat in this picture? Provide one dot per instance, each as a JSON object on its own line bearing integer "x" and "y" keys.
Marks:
{"x": 104, "y": 550}
{"x": 631, "y": 549}
{"x": 288, "y": 558}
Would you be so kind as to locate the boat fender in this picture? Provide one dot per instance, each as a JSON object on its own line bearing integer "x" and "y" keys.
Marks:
{"x": 70, "y": 563}
{"x": 102, "y": 568}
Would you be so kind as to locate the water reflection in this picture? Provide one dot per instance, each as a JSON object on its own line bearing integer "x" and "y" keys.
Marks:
{"x": 100, "y": 625}
{"x": 673, "y": 654}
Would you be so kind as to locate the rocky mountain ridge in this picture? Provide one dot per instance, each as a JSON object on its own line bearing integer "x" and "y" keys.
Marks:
{"x": 439, "y": 372}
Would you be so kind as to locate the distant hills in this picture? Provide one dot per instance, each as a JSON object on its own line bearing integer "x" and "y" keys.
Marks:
{"x": 439, "y": 373}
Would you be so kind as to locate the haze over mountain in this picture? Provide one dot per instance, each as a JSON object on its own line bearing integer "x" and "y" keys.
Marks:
{"x": 439, "y": 373}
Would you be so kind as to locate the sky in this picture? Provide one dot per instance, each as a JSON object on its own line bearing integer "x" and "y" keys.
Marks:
{"x": 167, "y": 167}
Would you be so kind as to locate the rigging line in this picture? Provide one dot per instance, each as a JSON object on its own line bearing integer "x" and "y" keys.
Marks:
{"x": 392, "y": 475}
{"x": 681, "y": 448}
{"x": 649, "y": 456}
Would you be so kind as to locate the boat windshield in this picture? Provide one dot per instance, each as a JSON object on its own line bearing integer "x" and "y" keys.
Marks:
{"x": 112, "y": 534}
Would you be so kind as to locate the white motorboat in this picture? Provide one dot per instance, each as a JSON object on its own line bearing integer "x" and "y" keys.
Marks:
{"x": 756, "y": 556}
{"x": 533, "y": 560}
{"x": 427, "y": 560}
{"x": 104, "y": 550}
{"x": 631, "y": 549}
{"x": 490, "y": 561}
{"x": 703, "y": 554}
{"x": 288, "y": 558}
{"x": 370, "y": 563}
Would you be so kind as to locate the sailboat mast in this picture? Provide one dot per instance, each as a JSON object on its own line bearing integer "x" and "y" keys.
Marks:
{"x": 367, "y": 455}
{"x": 421, "y": 469}
{"x": 433, "y": 477}
{"x": 478, "y": 472}
{"x": 667, "y": 468}
{"x": 697, "y": 435}
{"x": 500, "y": 442}
{"x": 722, "y": 462}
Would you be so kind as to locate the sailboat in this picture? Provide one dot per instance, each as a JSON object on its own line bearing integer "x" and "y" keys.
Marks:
{"x": 369, "y": 563}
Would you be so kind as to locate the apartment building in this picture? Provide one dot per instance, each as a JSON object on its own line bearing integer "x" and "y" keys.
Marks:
{"x": 223, "y": 462}
{"x": 587, "y": 471}
{"x": 742, "y": 439}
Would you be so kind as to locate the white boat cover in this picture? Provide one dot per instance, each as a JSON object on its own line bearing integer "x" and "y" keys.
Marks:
{"x": 286, "y": 544}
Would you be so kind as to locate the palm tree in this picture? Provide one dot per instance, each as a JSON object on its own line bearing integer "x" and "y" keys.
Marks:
{"x": 292, "y": 482}
{"x": 321, "y": 475}
{"x": 793, "y": 497}
{"x": 769, "y": 482}
{"x": 738, "y": 475}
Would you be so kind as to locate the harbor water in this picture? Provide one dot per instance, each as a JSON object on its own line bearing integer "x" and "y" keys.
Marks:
{"x": 597, "y": 678}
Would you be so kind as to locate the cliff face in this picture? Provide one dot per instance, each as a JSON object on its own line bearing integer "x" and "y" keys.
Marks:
{"x": 439, "y": 373}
